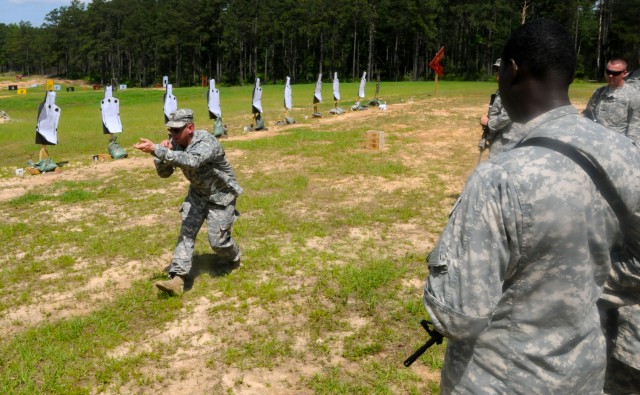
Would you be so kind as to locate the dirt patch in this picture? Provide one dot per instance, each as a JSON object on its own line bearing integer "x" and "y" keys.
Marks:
{"x": 11, "y": 188}
{"x": 29, "y": 81}
{"x": 206, "y": 327}
{"x": 273, "y": 131}
{"x": 53, "y": 306}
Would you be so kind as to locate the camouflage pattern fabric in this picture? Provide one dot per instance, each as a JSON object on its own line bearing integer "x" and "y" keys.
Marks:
{"x": 212, "y": 195}
{"x": 621, "y": 379}
{"x": 627, "y": 344}
{"x": 517, "y": 272}
{"x": 623, "y": 367}
{"x": 616, "y": 109}
{"x": 194, "y": 210}
{"x": 203, "y": 163}
{"x": 504, "y": 134}
{"x": 633, "y": 79}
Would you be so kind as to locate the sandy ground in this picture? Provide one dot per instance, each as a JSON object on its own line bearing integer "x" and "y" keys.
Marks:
{"x": 27, "y": 82}
{"x": 191, "y": 329}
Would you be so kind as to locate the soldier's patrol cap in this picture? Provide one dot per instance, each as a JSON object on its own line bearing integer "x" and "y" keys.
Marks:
{"x": 180, "y": 118}
{"x": 497, "y": 63}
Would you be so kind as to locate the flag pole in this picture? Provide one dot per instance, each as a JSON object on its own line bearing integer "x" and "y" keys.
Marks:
{"x": 435, "y": 65}
{"x": 44, "y": 154}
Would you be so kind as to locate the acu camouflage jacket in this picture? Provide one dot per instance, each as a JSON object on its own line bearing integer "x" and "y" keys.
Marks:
{"x": 203, "y": 163}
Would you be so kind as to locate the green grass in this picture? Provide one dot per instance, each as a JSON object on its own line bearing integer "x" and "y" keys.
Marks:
{"x": 56, "y": 358}
{"x": 334, "y": 237}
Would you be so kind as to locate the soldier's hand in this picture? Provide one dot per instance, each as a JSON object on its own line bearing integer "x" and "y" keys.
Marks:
{"x": 166, "y": 144}
{"x": 484, "y": 120}
{"x": 145, "y": 145}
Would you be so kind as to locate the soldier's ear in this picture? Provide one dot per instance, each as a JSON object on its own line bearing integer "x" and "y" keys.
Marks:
{"x": 511, "y": 84}
{"x": 509, "y": 70}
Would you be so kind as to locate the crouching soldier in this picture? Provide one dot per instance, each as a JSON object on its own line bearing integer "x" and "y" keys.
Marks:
{"x": 212, "y": 193}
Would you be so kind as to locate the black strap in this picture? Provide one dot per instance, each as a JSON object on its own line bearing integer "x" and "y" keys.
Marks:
{"x": 436, "y": 338}
{"x": 593, "y": 169}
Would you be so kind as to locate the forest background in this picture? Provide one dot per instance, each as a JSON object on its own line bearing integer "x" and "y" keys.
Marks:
{"x": 138, "y": 42}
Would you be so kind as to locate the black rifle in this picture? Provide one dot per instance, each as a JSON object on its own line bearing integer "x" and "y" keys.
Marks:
{"x": 436, "y": 338}
{"x": 484, "y": 140}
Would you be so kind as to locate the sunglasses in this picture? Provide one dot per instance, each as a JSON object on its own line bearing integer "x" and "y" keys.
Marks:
{"x": 614, "y": 73}
{"x": 176, "y": 130}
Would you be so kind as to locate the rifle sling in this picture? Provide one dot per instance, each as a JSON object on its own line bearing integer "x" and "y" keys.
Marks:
{"x": 593, "y": 170}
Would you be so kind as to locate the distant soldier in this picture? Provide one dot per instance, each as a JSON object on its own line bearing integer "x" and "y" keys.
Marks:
{"x": 617, "y": 105}
{"x": 503, "y": 133}
{"x": 212, "y": 193}
{"x": 634, "y": 78}
{"x": 623, "y": 329}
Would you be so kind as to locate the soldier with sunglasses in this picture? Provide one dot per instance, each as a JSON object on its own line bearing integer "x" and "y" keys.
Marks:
{"x": 622, "y": 326}
{"x": 617, "y": 105}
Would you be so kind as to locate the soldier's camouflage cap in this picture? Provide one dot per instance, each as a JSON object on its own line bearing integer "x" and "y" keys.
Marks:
{"x": 180, "y": 118}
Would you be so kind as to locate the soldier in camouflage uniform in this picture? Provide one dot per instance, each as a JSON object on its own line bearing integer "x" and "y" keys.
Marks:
{"x": 212, "y": 193}
{"x": 503, "y": 133}
{"x": 623, "y": 367}
{"x": 617, "y": 105}
{"x": 515, "y": 277}
{"x": 623, "y": 326}
{"x": 633, "y": 79}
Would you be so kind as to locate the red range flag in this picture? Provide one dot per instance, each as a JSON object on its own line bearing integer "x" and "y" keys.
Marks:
{"x": 435, "y": 62}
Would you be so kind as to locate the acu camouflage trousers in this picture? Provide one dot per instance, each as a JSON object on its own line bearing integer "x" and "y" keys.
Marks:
{"x": 220, "y": 219}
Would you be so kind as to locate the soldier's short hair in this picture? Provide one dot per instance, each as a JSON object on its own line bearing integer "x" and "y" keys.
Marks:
{"x": 618, "y": 60}
{"x": 542, "y": 46}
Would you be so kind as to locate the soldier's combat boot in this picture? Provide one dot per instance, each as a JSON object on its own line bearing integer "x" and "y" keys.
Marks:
{"x": 236, "y": 262}
{"x": 175, "y": 286}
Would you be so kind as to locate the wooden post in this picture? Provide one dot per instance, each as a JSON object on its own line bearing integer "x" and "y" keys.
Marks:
{"x": 435, "y": 85}
{"x": 44, "y": 154}
{"x": 374, "y": 140}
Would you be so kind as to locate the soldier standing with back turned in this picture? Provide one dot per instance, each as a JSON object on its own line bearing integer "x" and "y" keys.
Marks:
{"x": 516, "y": 274}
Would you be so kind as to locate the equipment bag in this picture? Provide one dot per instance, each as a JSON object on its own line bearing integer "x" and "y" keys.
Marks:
{"x": 45, "y": 165}
{"x": 218, "y": 127}
{"x": 259, "y": 123}
{"x": 116, "y": 151}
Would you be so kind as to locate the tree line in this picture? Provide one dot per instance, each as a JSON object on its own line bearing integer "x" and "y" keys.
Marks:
{"x": 139, "y": 41}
